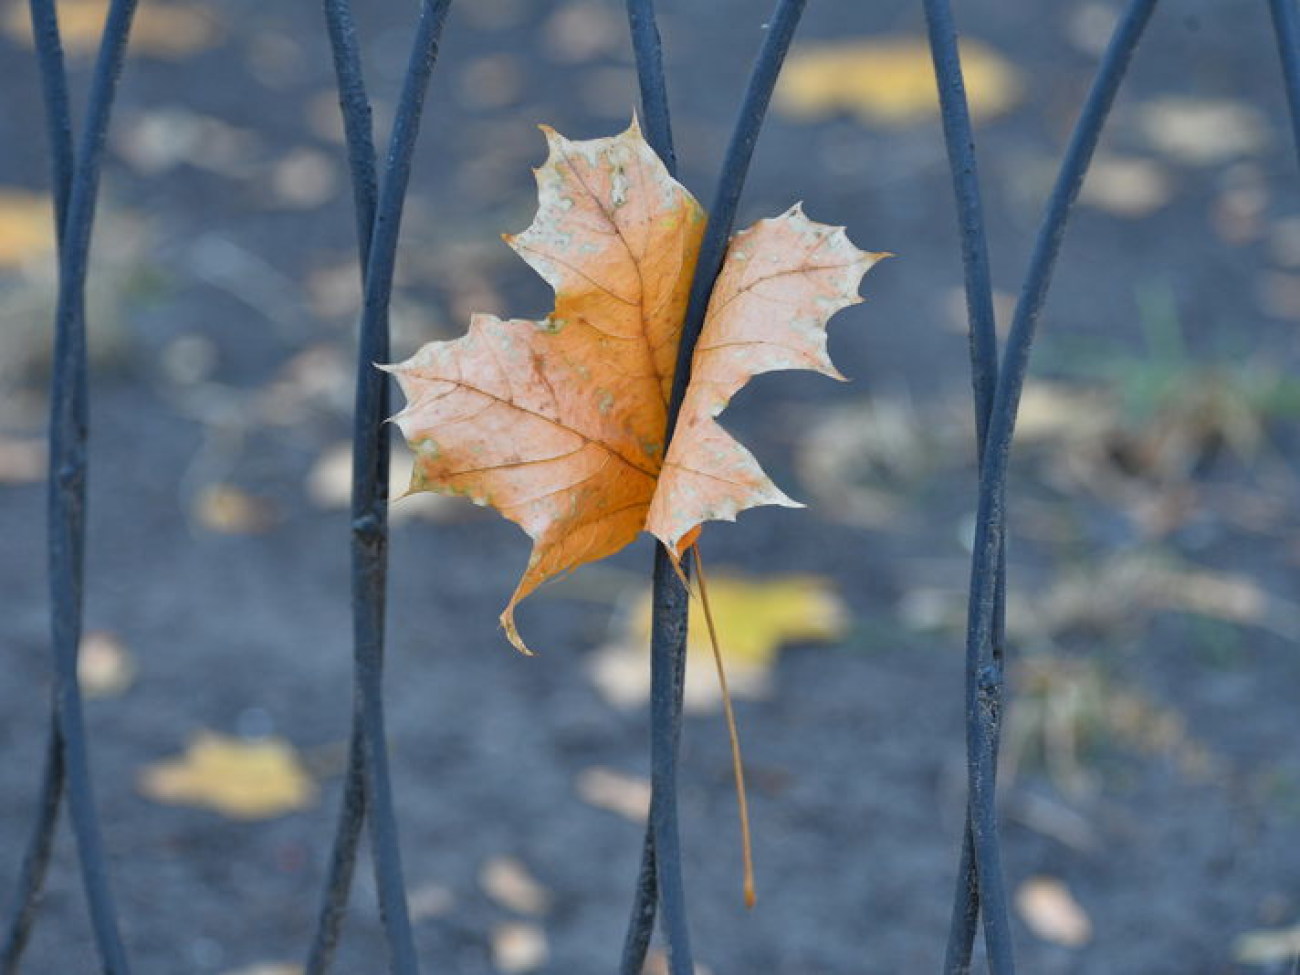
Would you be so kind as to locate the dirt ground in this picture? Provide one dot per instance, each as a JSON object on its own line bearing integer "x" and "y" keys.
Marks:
{"x": 1151, "y": 767}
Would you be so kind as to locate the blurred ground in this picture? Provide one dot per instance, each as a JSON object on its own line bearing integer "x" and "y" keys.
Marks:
{"x": 1152, "y": 787}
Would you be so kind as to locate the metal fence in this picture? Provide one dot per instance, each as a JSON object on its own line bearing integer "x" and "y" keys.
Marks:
{"x": 379, "y": 193}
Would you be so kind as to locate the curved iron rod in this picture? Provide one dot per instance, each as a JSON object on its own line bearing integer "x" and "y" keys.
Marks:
{"x": 58, "y": 123}
{"x": 960, "y": 142}
{"x": 660, "y": 874}
{"x": 1286, "y": 26}
{"x": 358, "y": 130}
{"x": 657, "y": 124}
{"x": 650, "y": 80}
{"x": 76, "y": 186}
{"x": 36, "y": 858}
{"x": 370, "y": 488}
{"x": 983, "y": 701}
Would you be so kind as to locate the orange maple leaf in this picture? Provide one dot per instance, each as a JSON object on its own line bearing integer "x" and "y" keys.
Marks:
{"x": 560, "y": 424}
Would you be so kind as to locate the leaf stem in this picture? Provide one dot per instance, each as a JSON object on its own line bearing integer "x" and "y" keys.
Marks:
{"x": 737, "y": 763}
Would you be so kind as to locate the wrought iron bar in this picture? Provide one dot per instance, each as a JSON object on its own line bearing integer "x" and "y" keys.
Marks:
{"x": 358, "y": 129}
{"x": 1286, "y": 26}
{"x": 984, "y": 694}
{"x": 367, "y": 788}
{"x": 646, "y": 45}
{"x": 960, "y": 142}
{"x": 67, "y": 769}
{"x": 660, "y": 877}
{"x": 36, "y": 858}
{"x": 657, "y": 123}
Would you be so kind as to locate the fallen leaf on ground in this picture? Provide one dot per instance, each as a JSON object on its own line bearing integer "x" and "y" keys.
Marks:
{"x": 507, "y": 881}
{"x": 230, "y": 510}
{"x": 492, "y": 81}
{"x": 614, "y": 791}
{"x": 240, "y": 778}
{"x": 104, "y": 666}
{"x": 1050, "y": 911}
{"x": 518, "y": 946}
{"x": 303, "y": 180}
{"x": 1268, "y": 947}
{"x": 560, "y": 424}
{"x": 583, "y": 31}
{"x": 26, "y": 226}
{"x": 1202, "y": 131}
{"x": 755, "y": 618}
{"x": 430, "y": 900}
{"x": 169, "y": 31}
{"x": 1126, "y": 186}
{"x": 267, "y": 968}
{"x": 890, "y": 81}
{"x": 21, "y": 461}
{"x": 160, "y": 140}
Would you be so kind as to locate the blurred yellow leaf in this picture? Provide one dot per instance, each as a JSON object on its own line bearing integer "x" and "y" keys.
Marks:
{"x": 890, "y": 81}
{"x": 1051, "y": 912}
{"x": 755, "y": 617}
{"x": 26, "y": 226}
{"x": 162, "y": 30}
{"x": 241, "y": 779}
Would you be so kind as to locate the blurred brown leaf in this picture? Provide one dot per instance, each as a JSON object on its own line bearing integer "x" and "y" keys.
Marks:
{"x": 231, "y": 510}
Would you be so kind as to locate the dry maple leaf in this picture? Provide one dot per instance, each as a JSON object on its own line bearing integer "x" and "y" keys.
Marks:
{"x": 560, "y": 424}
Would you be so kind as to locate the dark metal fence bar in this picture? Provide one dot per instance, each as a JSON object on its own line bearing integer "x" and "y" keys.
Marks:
{"x": 984, "y": 670}
{"x": 660, "y": 878}
{"x": 960, "y": 142}
{"x": 67, "y": 769}
{"x": 650, "y": 80}
{"x": 1286, "y": 26}
{"x": 367, "y": 787}
{"x": 669, "y": 592}
{"x": 358, "y": 130}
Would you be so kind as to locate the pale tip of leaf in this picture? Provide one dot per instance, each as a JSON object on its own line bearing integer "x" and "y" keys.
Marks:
{"x": 512, "y": 634}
